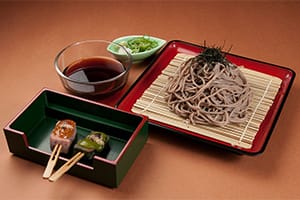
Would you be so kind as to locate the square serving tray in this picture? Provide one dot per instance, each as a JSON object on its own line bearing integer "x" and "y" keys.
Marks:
{"x": 28, "y": 134}
{"x": 175, "y": 47}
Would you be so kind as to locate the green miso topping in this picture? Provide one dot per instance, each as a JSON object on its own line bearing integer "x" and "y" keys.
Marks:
{"x": 95, "y": 141}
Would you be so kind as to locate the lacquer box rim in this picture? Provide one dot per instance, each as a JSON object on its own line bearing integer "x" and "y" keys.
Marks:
{"x": 121, "y": 155}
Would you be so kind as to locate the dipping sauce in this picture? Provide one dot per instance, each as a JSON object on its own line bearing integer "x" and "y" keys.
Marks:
{"x": 96, "y": 75}
{"x": 94, "y": 69}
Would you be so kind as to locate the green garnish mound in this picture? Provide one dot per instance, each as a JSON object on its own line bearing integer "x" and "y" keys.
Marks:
{"x": 140, "y": 44}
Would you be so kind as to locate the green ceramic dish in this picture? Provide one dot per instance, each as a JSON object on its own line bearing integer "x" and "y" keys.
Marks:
{"x": 136, "y": 56}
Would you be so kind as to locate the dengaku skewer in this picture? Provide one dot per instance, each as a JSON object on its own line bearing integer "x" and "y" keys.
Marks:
{"x": 93, "y": 143}
{"x": 61, "y": 139}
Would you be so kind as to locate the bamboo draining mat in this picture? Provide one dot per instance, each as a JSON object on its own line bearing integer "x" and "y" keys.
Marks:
{"x": 264, "y": 87}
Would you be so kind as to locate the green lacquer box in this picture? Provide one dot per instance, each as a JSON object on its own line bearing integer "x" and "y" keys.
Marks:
{"x": 28, "y": 134}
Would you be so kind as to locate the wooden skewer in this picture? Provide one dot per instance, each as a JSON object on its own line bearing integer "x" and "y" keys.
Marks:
{"x": 52, "y": 161}
{"x": 63, "y": 169}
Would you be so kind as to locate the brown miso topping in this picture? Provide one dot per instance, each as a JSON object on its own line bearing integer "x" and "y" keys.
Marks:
{"x": 64, "y": 129}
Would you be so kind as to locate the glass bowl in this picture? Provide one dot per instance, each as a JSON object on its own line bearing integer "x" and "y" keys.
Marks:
{"x": 87, "y": 68}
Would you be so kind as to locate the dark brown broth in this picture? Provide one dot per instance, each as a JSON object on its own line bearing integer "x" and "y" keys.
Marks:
{"x": 94, "y": 69}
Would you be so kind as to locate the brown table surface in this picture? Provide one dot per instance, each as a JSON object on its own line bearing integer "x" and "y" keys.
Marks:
{"x": 169, "y": 167}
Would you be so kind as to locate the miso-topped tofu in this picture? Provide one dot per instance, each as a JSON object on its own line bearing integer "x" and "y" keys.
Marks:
{"x": 64, "y": 133}
{"x": 93, "y": 143}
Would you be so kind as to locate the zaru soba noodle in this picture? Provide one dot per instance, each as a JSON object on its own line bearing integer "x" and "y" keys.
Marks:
{"x": 208, "y": 89}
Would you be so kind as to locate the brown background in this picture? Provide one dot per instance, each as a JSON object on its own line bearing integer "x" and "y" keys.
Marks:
{"x": 169, "y": 167}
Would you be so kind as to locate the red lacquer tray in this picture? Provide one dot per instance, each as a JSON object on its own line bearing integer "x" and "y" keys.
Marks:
{"x": 170, "y": 51}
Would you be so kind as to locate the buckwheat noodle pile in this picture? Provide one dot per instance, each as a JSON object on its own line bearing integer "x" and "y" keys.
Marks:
{"x": 208, "y": 89}
{"x": 221, "y": 94}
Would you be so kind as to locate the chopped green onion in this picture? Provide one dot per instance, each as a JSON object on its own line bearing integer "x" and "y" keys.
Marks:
{"x": 140, "y": 44}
